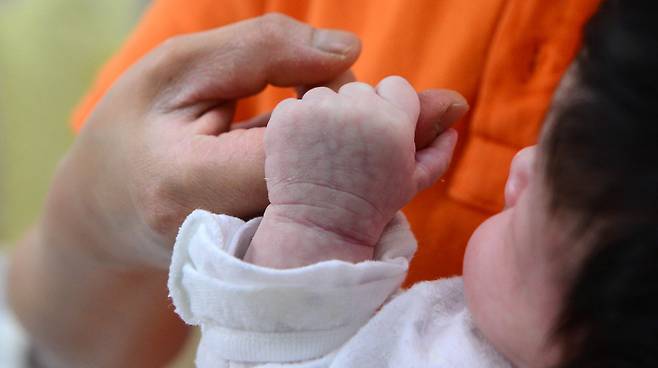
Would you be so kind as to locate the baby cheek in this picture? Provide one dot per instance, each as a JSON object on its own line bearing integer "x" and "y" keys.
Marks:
{"x": 486, "y": 271}
{"x": 484, "y": 248}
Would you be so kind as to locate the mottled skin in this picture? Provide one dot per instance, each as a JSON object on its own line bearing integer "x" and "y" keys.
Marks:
{"x": 339, "y": 165}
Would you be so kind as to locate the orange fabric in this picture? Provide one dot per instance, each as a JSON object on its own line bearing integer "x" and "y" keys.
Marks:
{"x": 505, "y": 56}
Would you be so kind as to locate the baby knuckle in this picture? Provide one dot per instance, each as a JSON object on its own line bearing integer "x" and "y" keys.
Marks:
{"x": 284, "y": 112}
{"x": 357, "y": 89}
{"x": 362, "y": 108}
{"x": 396, "y": 117}
{"x": 326, "y": 106}
{"x": 318, "y": 93}
{"x": 287, "y": 105}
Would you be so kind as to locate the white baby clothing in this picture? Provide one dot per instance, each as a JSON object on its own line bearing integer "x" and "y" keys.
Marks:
{"x": 329, "y": 314}
{"x": 13, "y": 340}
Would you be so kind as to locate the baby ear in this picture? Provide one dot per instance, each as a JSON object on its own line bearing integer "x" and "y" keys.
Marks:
{"x": 433, "y": 161}
{"x": 519, "y": 175}
{"x": 397, "y": 91}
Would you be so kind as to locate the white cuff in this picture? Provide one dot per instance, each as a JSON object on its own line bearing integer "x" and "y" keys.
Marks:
{"x": 255, "y": 314}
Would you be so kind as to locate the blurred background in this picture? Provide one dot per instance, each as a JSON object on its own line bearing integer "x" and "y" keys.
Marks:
{"x": 50, "y": 51}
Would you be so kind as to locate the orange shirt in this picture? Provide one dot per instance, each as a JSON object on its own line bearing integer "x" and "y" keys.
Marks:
{"x": 505, "y": 56}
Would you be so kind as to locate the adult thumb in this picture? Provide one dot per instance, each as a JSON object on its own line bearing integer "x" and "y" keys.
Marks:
{"x": 239, "y": 60}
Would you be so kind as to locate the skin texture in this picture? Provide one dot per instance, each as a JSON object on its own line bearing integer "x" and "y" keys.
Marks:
{"x": 160, "y": 144}
{"x": 510, "y": 268}
{"x": 519, "y": 262}
{"x": 338, "y": 167}
{"x": 156, "y": 147}
{"x": 351, "y": 164}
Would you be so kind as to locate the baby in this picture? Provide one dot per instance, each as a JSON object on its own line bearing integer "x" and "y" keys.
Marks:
{"x": 565, "y": 276}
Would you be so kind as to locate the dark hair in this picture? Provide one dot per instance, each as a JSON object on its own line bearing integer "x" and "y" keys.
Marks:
{"x": 602, "y": 170}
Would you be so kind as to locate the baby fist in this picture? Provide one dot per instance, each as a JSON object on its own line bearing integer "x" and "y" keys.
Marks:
{"x": 346, "y": 162}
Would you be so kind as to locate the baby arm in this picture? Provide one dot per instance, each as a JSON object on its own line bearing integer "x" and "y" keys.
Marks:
{"x": 338, "y": 167}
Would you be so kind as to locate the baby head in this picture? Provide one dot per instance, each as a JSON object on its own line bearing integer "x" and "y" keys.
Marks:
{"x": 567, "y": 275}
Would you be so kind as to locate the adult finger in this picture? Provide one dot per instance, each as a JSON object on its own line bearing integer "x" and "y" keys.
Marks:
{"x": 241, "y": 59}
{"x": 226, "y": 174}
{"x": 433, "y": 161}
{"x": 439, "y": 110}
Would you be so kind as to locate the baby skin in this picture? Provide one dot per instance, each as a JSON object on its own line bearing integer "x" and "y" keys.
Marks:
{"x": 339, "y": 165}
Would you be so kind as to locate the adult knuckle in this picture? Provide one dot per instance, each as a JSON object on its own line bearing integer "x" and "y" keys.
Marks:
{"x": 276, "y": 20}
{"x": 161, "y": 213}
{"x": 275, "y": 29}
{"x": 173, "y": 45}
{"x": 168, "y": 55}
{"x": 167, "y": 50}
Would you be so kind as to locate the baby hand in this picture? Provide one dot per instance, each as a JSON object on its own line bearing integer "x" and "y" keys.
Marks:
{"x": 338, "y": 167}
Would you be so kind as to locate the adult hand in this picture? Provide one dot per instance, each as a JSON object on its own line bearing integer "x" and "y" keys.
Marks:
{"x": 88, "y": 282}
{"x": 158, "y": 145}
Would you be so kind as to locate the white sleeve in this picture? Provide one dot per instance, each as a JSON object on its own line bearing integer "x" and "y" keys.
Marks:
{"x": 254, "y": 314}
{"x": 13, "y": 339}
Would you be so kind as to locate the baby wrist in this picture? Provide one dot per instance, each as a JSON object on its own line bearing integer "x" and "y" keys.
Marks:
{"x": 292, "y": 236}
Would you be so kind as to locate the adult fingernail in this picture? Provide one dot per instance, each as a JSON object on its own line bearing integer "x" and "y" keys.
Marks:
{"x": 453, "y": 113}
{"x": 335, "y": 42}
